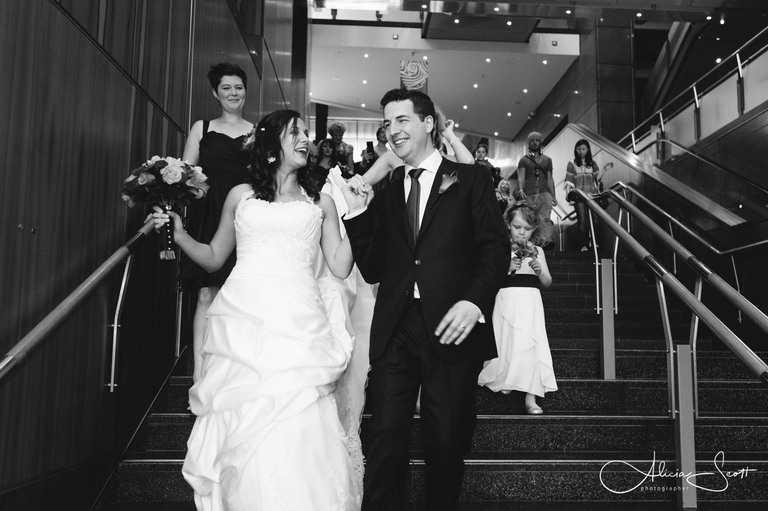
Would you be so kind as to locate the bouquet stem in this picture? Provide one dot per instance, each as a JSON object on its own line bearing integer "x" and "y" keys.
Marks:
{"x": 166, "y": 238}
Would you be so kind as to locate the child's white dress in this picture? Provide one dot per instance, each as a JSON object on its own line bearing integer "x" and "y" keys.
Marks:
{"x": 524, "y": 362}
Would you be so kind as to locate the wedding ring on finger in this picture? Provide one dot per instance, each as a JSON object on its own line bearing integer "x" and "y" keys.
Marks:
{"x": 462, "y": 327}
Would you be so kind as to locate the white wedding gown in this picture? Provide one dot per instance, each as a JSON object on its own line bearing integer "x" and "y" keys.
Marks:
{"x": 268, "y": 435}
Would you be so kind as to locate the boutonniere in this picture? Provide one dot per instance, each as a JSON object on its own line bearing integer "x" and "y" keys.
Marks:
{"x": 448, "y": 181}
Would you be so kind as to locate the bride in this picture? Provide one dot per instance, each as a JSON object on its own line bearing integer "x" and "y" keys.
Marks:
{"x": 267, "y": 434}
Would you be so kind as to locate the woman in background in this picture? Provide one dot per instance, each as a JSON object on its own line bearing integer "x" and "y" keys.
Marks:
{"x": 217, "y": 147}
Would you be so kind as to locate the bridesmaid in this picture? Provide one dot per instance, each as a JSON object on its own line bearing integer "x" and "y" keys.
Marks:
{"x": 217, "y": 147}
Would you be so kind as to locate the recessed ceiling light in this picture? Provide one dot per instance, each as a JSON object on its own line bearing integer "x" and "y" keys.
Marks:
{"x": 575, "y": 92}
{"x": 496, "y": 9}
{"x": 509, "y": 23}
{"x": 424, "y": 57}
{"x": 423, "y": 6}
{"x": 365, "y": 82}
{"x": 639, "y": 14}
{"x": 456, "y": 125}
{"x": 253, "y": 51}
{"x": 509, "y": 114}
{"x": 525, "y": 91}
{"x": 395, "y": 36}
{"x": 568, "y": 11}
{"x": 362, "y": 105}
{"x": 365, "y": 55}
{"x": 495, "y": 133}
{"x": 487, "y": 59}
{"x": 310, "y": 93}
{"x": 722, "y": 20}
{"x": 557, "y": 115}
{"x": 709, "y": 18}
{"x": 717, "y": 38}
{"x": 456, "y": 21}
{"x": 465, "y": 107}
{"x": 544, "y": 62}
{"x": 474, "y": 85}
{"x": 718, "y": 60}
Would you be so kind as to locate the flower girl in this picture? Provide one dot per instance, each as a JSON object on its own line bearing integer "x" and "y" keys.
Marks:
{"x": 525, "y": 362}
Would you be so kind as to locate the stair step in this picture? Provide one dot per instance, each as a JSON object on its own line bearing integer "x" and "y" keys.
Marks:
{"x": 580, "y": 396}
{"x": 494, "y": 484}
{"x": 521, "y": 437}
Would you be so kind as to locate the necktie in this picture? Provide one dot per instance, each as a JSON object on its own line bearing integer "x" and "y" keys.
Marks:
{"x": 412, "y": 204}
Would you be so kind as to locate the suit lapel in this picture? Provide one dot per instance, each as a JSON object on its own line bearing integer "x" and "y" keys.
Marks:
{"x": 398, "y": 197}
{"x": 434, "y": 195}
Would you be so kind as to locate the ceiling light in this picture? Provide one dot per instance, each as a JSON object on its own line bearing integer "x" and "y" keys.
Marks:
{"x": 496, "y": 9}
{"x": 487, "y": 59}
{"x": 365, "y": 82}
{"x": 362, "y": 105}
{"x": 456, "y": 21}
{"x": 568, "y": 11}
{"x": 509, "y": 114}
{"x": 310, "y": 93}
{"x": 424, "y": 57}
{"x": 575, "y": 92}
{"x": 495, "y": 133}
{"x": 395, "y": 36}
{"x": 423, "y": 6}
{"x": 709, "y": 18}
{"x": 456, "y": 125}
{"x": 474, "y": 85}
{"x": 718, "y": 60}
{"x": 525, "y": 91}
{"x": 465, "y": 107}
{"x": 717, "y": 38}
{"x": 557, "y": 115}
{"x": 544, "y": 62}
{"x": 639, "y": 14}
{"x": 365, "y": 55}
{"x": 509, "y": 23}
{"x": 722, "y": 20}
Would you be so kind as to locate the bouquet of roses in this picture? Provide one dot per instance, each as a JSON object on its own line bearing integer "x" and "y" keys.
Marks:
{"x": 168, "y": 183}
{"x": 522, "y": 249}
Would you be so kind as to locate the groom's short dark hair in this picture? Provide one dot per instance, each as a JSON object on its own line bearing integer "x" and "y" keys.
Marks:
{"x": 422, "y": 104}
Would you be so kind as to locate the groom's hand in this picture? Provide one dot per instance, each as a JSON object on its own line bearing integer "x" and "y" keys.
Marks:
{"x": 357, "y": 193}
{"x": 457, "y": 323}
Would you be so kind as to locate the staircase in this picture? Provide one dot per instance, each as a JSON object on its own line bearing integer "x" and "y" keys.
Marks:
{"x": 592, "y": 429}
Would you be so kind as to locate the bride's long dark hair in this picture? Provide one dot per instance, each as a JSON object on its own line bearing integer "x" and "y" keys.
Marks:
{"x": 268, "y": 155}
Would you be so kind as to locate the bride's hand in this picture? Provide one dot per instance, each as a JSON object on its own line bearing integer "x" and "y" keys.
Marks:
{"x": 162, "y": 217}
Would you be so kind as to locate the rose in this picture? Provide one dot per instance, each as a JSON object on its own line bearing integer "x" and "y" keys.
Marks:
{"x": 172, "y": 173}
{"x": 522, "y": 248}
{"x": 145, "y": 178}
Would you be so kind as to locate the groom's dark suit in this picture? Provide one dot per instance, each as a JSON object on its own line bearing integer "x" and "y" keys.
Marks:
{"x": 462, "y": 253}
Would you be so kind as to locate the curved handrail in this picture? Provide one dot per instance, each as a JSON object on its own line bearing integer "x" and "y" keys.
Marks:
{"x": 688, "y": 231}
{"x": 705, "y": 79}
{"x": 708, "y": 162}
{"x": 712, "y": 278}
{"x": 35, "y": 336}
{"x": 756, "y": 365}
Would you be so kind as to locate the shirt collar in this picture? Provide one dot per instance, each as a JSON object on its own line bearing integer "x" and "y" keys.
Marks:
{"x": 430, "y": 164}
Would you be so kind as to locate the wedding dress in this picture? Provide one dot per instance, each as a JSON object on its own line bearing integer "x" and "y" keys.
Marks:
{"x": 268, "y": 435}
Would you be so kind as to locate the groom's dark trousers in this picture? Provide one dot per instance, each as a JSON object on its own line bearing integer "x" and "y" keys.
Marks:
{"x": 462, "y": 253}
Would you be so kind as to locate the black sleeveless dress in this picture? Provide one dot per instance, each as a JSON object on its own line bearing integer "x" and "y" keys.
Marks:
{"x": 225, "y": 162}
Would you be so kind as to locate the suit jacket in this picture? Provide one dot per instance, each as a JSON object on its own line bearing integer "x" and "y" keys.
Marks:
{"x": 462, "y": 253}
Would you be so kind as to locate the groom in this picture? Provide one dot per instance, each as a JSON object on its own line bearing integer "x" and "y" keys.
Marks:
{"x": 436, "y": 243}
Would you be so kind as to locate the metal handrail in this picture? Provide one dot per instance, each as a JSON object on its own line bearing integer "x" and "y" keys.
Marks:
{"x": 688, "y": 231}
{"x": 708, "y": 162}
{"x": 707, "y": 76}
{"x": 717, "y": 282}
{"x": 62, "y": 311}
{"x": 753, "y": 362}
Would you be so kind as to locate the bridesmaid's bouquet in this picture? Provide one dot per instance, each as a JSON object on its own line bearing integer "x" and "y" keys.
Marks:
{"x": 522, "y": 249}
{"x": 166, "y": 182}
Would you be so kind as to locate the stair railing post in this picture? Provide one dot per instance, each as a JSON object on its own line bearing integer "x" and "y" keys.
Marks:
{"x": 685, "y": 446}
{"x": 116, "y": 324}
{"x": 608, "y": 352}
{"x": 597, "y": 262}
{"x": 693, "y": 338}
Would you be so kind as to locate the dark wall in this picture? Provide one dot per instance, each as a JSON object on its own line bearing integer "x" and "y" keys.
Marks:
{"x": 90, "y": 90}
